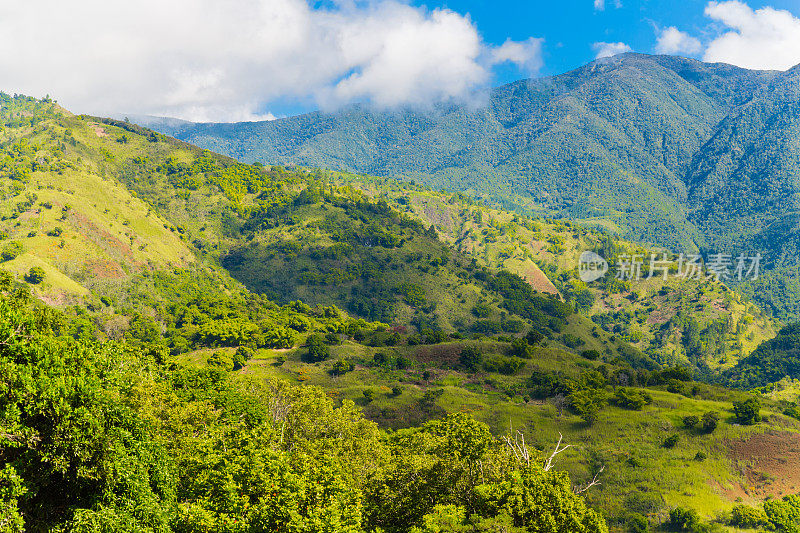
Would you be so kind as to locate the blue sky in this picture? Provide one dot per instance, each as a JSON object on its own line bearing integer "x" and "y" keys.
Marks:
{"x": 237, "y": 60}
{"x": 570, "y": 27}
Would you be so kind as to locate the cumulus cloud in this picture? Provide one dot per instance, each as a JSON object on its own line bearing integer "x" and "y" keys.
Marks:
{"x": 228, "y": 59}
{"x": 609, "y": 49}
{"x": 673, "y": 41}
{"x": 527, "y": 55}
{"x": 599, "y": 5}
{"x": 765, "y": 38}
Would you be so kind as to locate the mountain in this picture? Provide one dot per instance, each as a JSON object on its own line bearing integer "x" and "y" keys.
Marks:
{"x": 189, "y": 343}
{"x": 662, "y": 150}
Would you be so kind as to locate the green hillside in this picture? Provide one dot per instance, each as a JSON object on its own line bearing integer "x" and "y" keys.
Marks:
{"x": 269, "y": 347}
{"x": 703, "y": 324}
{"x": 666, "y": 151}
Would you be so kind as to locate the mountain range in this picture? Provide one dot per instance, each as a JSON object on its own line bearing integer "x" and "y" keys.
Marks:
{"x": 662, "y": 150}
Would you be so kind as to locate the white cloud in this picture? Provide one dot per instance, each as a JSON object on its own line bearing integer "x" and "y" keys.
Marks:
{"x": 609, "y": 49}
{"x": 229, "y": 59}
{"x": 599, "y": 5}
{"x": 673, "y": 41}
{"x": 766, "y": 38}
{"x": 527, "y": 55}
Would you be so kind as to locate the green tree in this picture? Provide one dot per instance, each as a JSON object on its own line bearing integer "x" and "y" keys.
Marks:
{"x": 470, "y": 358}
{"x": 316, "y": 349}
{"x": 747, "y": 411}
{"x": 35, "y": 275}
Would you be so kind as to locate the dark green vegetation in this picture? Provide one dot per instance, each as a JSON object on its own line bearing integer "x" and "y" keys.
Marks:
{"x": 247, "y": 347}
{"x": 111, "y": 437}
{"x": 664, "y": 150}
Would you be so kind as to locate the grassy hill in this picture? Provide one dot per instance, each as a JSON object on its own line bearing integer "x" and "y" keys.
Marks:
{"x": 410, "y": 303}
{"x": 666, "y": 151}
{"x": 678, "y": 321}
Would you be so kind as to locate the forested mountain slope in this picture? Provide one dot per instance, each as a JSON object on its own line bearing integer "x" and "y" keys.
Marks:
{"x": 664, "y": 150}
{"x": 157, "y": 397}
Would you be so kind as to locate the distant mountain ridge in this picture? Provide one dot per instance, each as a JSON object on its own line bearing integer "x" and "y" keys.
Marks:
{"x": 660, "y": 149}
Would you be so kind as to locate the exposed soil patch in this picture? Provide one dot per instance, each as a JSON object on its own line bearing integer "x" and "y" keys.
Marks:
{"x": 769, "y": 462}
{"x": 538, "y": 280}
{"x": 438, "y": 353}
{"x": 101, "y": 269}
{"x": 98, "y": 129}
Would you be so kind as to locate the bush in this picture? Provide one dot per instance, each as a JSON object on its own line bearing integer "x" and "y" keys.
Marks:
{"x": 676, "y": 387}
{"x": 317, "y": 350}
{"x": 691, "y": 421}
{"x": 11, "y": 251}
{"x": 397, "y": 391}
{"x": 710, "y": 421}
{"x": 747, "y": 411}
{"x": 470, "y": 358}
{"x": 369, "y": 395}
{"x": 35, "y": 275}
{"x": 55, "y": 232}
{"x": 637, "y": 523}
{"x": 238, "y": 360}
{"x": 671, "y": 441}
{"x": 631, "y": 398}
{"x": 342, "y": 367}
{"x": 221, "y": 360}
{"x": 748, "y": 517}
{"x": 590, "y": 354}
{"x": 681, "y": 519}
{"x": 245, "y": 353}
{"x": 700, "y": 456}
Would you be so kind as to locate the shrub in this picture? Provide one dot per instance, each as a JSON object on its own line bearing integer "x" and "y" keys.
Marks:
{"x": 470, "y": 358}
{"x": 397, "y": 391}
{"x": 342, "y": 367}
{"x": 11, "y": 251}
{"x": 317, "y": 351}
{"x": 221, "y": 360}
{"x": 631, "y": 398}
{"x": 682, "y": 519}
{"x": 637, "y": 523}
{"x": 35, "y": 275}
{"x": 369, "y": 395}
{"x": 748, "y": 517}
{"x": 671, "y": 441}
{"x": 710, "y": 421}
{"x": 747, "y": 411}
{"x": 55, "y": 232}
{"x": 520, "y": 348}
{"x": 700, "y": 456}
{"x": 245, "y": 353}
{"x": 238, "y": 360}
{"x": 676, "y": 387}
{"x": 691, "y": 421}
{"x": 590, "y": 354}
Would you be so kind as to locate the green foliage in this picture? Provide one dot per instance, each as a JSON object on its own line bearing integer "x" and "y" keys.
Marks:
{"x": 11, "y": 251}
{"x": 316, "y": 349}
{"x": 710, "y": 421}
{"x": 671, "y": 441}
{"x": 470, "y": 358}
{"x": 631, "y": 398}
{"x": 691, "y": 421}
{"x": 747, "y": 411}
{"x": 771, "y": 361}
{"x": 35, "y": 275}
{"x": 748, "y": 517}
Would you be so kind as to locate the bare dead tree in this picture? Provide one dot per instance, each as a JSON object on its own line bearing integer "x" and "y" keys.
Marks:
{"x": 581, "y": 489}
{"x": 558, "y": 449}
{"x": 518, "y": 447}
